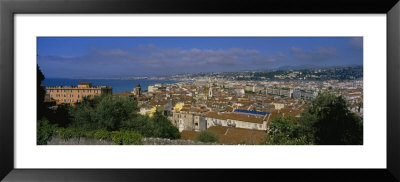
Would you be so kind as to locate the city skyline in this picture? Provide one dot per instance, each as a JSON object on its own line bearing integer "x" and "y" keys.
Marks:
{"x": 107, "y": 57}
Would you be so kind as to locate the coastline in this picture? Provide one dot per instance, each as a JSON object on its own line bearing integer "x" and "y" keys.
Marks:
{"x": 118, "y": 85}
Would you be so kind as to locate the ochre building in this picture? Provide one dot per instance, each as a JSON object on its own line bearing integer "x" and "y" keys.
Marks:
{"x": 72, "y": 95}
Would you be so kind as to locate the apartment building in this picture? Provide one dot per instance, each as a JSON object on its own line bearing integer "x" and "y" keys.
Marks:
{"x": 73, "y": 95}
{"x": 239, "y": 119}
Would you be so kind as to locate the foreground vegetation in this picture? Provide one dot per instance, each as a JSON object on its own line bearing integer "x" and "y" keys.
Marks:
{"x": 108, "y": 117}
{"x": 327, "y": 121}
{"x": 122, "y": 137}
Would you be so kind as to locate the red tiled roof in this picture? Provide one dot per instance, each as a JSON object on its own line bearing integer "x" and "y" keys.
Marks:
{"x": 235, "y": 116}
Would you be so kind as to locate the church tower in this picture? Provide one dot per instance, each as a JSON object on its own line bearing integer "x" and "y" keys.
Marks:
{"x": 137, "y": 90}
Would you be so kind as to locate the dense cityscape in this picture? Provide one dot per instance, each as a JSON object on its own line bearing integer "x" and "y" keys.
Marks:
{"x": 236, "y": 106}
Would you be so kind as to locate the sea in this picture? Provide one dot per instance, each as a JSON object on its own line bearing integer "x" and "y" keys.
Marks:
{"x": 117, "y": 85}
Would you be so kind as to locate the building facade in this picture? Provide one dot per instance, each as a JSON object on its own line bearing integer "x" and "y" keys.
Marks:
{"x": 183, "y": 121}
{"x": 72, "y": 95}
{"x": 239, "y": 119}
{"x": 137, "y": 91}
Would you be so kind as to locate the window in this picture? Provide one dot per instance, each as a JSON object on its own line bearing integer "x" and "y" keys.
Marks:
{"x": 88, "y": 91}
{"x": 95, "y": 91}
{"x": 58, "y": 91}
{"x": 78, "y": 91}
{"x": 51, "y": 90}
{"x": 79, "y": 100}
{"x": 72, "y": 100}
{"x": 65, "y": 95}
{"x": 64, "y": 91}
{"x": 83, "y": 91}
{"x": 197, "y": 124}
{"x": 65, "y": 100}
{"x": 71, "y": 90}
{"x": 83, "y": 95}
{"x": 71, "y": 95}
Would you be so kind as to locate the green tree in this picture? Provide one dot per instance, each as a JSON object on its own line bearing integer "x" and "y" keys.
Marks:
{"x": 285, "y": 131}
{"x": 113, "y": 110}
{"x": 105, "y": 111}
{"x": 60, "y": 116}
{"x": 139, "y": 124}
{"x": 41, "y": 109}
{"x": 114, "y": 113}
{"x": 84, "y": 117}
{"x": 156, "y": 126}
{"x": 207, "y": 136}
{"x": 330, "y": 121}
{"x": 161, "y": 126}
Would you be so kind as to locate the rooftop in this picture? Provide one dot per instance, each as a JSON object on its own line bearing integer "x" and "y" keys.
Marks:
{"x": 75, "y": 87}
{"x": 231, "y": 136}
{"x": 236, "y": 116}
{"x": 84, "y": 83}
{"x": 242, "y": 111}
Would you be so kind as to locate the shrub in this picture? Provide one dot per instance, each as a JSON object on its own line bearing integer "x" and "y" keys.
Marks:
{"x": 131, "y": 138}
{"x": 44, "y": 131}
{"x": 122, "y": 137}
{"x": 207, "y": 136}
{"x": 68, "y": 133}
{"x": 101, "y": 134}
{"x": 116, "y": 137}
{"x": 126, "y": 137}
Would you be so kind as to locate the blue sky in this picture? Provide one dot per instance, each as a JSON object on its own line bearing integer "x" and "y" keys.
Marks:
{"x": 106, "y": 57}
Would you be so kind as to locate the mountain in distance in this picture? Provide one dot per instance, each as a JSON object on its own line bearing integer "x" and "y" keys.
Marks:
{"x": 299, "y": 67}
{"x": 309, "y": 66}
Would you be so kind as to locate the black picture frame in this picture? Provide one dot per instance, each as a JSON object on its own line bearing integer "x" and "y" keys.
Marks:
{"x": 8, "y": 8}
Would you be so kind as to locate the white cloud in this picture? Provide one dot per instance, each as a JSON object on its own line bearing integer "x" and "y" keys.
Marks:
{"x": 149, "y": 59}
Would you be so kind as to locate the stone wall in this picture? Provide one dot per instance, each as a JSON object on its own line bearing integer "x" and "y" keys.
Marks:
{"x": 164, "y": 141}
{"x": 145, "y": 141}
{"x": 78, "y": 141}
